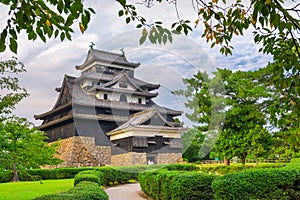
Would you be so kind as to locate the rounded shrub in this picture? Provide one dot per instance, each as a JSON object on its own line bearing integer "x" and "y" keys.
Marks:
{"x": 192, "y": 186}
{"x": 257, "y": 184}
{"x": 87, "y": 190}
{"x": 294, "y": 163}
{"x": 92, "y": 176}
{"x": 164, "y": 184}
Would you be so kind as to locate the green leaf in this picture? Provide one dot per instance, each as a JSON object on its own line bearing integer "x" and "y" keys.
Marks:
{"x": 121, "y": 13}
{"x": 122, "y": 2}
{"x": 165, "y": 38}
{"x": 3, "y": 36}
{"x": 170, "y": 38}
{"x": 143, "y": 39}
{"x": 276, "y": 20}
{"x": 179, "y": 28}
{"x": 139, "y": 26}
{"x": 13, "y": 33}
{"x": 62, "y": 36}
{"x": 127, "y": 20}
{"x": 13, "y": 45}
{"x": 92, "y": 10}
{"x": 56, "y": 33}
{"x": 2, "y": 47}
{"x": 175, "y": 32}
{"x": 60, "y": 6}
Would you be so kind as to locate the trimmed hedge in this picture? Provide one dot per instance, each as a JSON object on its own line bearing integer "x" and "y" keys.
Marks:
{"x": 116, "y": 173}
{"x": 294, "y": 163}
{"x": 258, "y": 184}
{"x": 91, "y": 175}
{"x": 182, "y": 167}
{"x": 86, "y": 187}
{"x": 85, "y": 190}
{"x": 222, "y": 170}
{"x": 164, "y": 184}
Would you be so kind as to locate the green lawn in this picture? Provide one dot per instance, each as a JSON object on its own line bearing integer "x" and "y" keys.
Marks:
{"x": 31, "y": 189}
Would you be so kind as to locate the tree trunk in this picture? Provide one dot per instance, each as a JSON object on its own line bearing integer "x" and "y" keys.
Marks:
{"x": 16, "y": 176}
{"x": 256, "y": 161}
{"x": 226, "y": 161}
{"x": 244, "y": 160}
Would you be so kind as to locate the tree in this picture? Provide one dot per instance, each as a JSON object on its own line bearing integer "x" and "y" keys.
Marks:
{"x": 11, "y": 93}
{"x": 192, "y": 140}
{"x": 221, "y": 19}
{"x": 205, "y": 99}
{"x": 283, "y": 111}
{"x": 243, "y": 130}
{"x": 245, "y": 118}
{"x": 43, "y": 19}
{"x": 23, "y": 147}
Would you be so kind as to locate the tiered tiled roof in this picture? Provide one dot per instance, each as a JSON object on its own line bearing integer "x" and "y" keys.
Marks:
{"x": 72, "y": 94}
{"x": 108, "y": 57}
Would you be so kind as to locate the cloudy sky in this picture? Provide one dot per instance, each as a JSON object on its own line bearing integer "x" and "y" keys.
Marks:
{"x": 47, "y": 63}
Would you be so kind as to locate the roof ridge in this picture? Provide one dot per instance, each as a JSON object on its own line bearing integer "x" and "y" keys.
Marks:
{"x": 108, "y": 52}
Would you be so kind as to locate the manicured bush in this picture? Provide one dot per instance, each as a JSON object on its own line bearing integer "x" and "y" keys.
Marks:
{"x": 62, "y": 196}
{"x": 164, "y": 184}
{"x": 86, "y": 190}
{"x": 91, "y": 175}
{"x": 181, "y": 167}
{"x": 165, "y": 179}
{"x": 222, "y": 170}
{"x": 116, "y": 174}
{"x": 192, "y": 186}
{"x": 44, "y": 174}
{"x": 258, "y": 184}
{"x": 63, "y": 173}
{"x": 294, "y": 163}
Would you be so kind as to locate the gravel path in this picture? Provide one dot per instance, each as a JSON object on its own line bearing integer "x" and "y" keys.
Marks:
{"x": 125, "y": 192}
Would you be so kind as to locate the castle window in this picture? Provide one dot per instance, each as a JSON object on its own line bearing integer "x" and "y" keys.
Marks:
{"x": 123, "y": 98}
{"x": 105, "y": 96}
{"x": 107, "y": 111}
{"x": 140, "y": 100}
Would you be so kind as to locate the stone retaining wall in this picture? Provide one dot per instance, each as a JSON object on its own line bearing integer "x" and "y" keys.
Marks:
{"x": 127, "y": 159}
{"x": 167, "y": 158}
{"x": 81, "y": 151}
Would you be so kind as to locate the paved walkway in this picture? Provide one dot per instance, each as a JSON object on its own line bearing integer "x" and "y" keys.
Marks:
{"x": 125, "y": 192}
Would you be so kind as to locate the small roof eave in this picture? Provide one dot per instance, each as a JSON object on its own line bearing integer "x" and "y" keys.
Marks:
{"x": 58, "y": 109}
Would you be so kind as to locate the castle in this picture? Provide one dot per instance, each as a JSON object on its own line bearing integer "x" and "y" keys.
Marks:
{"x": 106, "y": 116}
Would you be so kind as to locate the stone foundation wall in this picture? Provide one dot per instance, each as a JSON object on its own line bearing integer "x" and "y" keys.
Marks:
{"x": 132, "y": 158}
{"x": 81, "y": 151}
{"x": 127, "y": 159}
{"x": 167, "y": 158}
